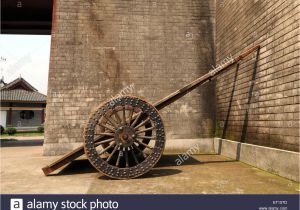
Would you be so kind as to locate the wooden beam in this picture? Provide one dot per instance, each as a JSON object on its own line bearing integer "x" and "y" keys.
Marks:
{"x": 9, "y": 118}
{"x": 42, "y": 116}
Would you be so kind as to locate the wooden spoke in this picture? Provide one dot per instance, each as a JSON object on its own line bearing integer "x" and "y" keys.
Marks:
{"x": 101, "y": 136}
{"x": 111, "y": 122}
{"x": 119, "y": 156}
{"x": 134, "y": 157}
{"x": 144, "y": 130}
{"x": 98, "y": 137}
{"x": 142, "y": 123}
{"x": 146, "y": 137}
{"x": 126, "y": 158}
{"x": 114, "y": 119}
{"x": 104, "y": 134}
{"x": 124, "y": 116}
{"x": 113, "y": 152}
{"x": 107, "y": 148}
{"x": 109, "y": 128}
{"x": 108, "y": 123}
{"x": 130, "y": 116}
{"x": 140, "y": 151}
{"x": 136, "y": 119}
{"x": 102, "y": 142}
{"x": 142, "y": 143}
{"x": 118, "y": 117}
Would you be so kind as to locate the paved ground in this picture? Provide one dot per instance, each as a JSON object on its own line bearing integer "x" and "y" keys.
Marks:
{"x": 14, "y": 138}
{"x": 21, "y": 143}
{"x": 204, "y": 174}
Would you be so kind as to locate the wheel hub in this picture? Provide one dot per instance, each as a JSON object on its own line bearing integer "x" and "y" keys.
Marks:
{"x": 125, "y": 136}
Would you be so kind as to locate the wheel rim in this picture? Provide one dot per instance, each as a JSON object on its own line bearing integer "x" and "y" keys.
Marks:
{"x": 131, "y": 136}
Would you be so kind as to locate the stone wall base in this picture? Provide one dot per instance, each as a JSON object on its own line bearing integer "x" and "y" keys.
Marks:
{"x": 280, "y": 162}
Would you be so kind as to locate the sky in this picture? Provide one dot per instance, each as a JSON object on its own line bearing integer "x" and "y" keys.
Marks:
{"x": 28, "y": 56}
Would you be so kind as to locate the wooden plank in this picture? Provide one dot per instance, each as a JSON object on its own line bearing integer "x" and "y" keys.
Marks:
{"x": 67, "y": 158}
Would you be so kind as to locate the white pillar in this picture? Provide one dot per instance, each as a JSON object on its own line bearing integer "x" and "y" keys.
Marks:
{"x": 3, "y": 118}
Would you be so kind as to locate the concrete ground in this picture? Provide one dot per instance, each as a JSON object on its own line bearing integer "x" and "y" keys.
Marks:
{"x": 202, "y": 174}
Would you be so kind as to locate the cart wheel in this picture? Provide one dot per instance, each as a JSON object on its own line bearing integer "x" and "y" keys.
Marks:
{"x": 124, "y": 138}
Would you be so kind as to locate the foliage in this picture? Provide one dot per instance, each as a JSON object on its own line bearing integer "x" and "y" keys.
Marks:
{"x": 11, "y": 130}
{"x": 40, "y": 129}
{"x": 2, "y": 129}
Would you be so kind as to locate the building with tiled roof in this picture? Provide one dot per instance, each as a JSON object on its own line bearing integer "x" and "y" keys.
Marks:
{"x": 22, "y": 106}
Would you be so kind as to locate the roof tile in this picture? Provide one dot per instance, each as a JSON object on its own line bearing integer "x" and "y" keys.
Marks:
{"x": 22, "y": 95}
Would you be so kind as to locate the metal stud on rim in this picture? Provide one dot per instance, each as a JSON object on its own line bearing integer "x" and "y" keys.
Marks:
{"x": 124, "y": 138}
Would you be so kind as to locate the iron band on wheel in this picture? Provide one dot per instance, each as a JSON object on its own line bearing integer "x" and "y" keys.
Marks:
{"x": 124, "y": 138}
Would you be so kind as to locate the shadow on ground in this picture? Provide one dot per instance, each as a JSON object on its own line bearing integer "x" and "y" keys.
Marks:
{"x": 21, "y": 143}
{"x": 172, "y": 160}
{"x": 151, "y": 174}
{"x": 83, "y": 166}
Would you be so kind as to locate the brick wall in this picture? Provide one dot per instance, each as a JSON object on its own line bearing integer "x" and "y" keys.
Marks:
{"x": 266, "y": 110}
{"x": 100, "y": 47}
